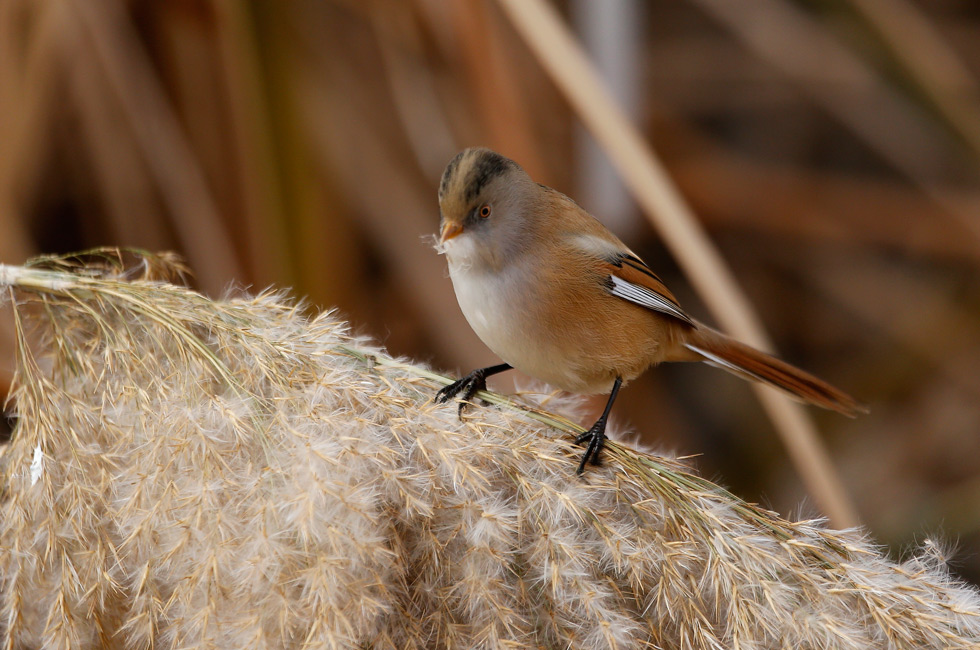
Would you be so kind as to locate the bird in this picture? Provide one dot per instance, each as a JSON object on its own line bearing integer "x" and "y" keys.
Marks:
{"x": 557, "y": 296}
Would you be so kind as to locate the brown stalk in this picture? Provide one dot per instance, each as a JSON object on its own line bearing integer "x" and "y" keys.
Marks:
{"x": 413, "y": 87}
{"x": 28, "y": 82}
{"x": 262, "y": 203}
{"x": 493, "y": 87}
{"x": 158, "y": 133}
{"x": 926, "y": 56}
{"x": 117, "y": 167}
{"x": 938, "y": 330}
{"x": 29, "y": 109}
{"x": 741, "y": 191}
{"x": 361, "y": 154}
{"x": 804, "y": 51}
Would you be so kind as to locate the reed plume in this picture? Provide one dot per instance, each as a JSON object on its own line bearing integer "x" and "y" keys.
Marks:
{"x": 196, "y": 473}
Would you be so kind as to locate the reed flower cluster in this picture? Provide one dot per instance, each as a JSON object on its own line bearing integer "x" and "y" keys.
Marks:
{"x": 192, "y": 473}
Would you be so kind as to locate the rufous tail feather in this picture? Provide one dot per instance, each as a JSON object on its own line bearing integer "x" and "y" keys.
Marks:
{"x": 716, "y": 349}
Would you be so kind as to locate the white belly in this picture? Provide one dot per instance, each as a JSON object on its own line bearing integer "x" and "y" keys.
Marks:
{"x": 488, "y": 303}
{"x": 500, "y": 307}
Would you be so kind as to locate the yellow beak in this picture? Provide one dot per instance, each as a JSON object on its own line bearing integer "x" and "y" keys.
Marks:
{"x": 449, "y": 231}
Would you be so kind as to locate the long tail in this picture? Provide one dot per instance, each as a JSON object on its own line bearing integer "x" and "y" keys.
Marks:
{"x": 716, "y": 349}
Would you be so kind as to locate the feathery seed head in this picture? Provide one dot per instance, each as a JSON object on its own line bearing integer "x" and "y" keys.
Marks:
{"x": 232, "y": 473}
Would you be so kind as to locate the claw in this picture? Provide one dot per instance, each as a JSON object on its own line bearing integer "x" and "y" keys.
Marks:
{"x": 597, "y": 434}
{"x": 597, "y": 439}
{"x": 446, "y": 393}
{"x": 468, "y": 386}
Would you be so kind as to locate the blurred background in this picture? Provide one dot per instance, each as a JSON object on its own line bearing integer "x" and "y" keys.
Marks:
{"x": 830, "y": 147}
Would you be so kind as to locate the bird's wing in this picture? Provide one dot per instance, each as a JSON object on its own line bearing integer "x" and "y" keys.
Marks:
{"x": 626, "y": 275}
{"x": 632, "y": 280}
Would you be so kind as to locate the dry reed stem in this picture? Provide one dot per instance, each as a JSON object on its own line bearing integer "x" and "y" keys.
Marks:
{"x": 930, "y": 61}
{"x": 826, "y": 206}
{"x": 488, "y": 65}
{"x": 264, "y": 219}
{"x": 804, "y": 51}
{"x": 156, "y": 129}
{"x": 357, "y": 146}
{"x": 645, "y": 176}
{"x": 194, "y": 473}
{"x": 116, "y": 162}
{"x": 26, "y": 128}
{"x": 413, "y": 87}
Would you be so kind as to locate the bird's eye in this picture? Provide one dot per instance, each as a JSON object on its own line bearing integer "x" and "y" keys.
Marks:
{"x": 485, "y": 210}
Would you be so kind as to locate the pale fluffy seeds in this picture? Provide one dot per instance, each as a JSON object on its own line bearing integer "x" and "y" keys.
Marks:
{"x": 316, "y": 498}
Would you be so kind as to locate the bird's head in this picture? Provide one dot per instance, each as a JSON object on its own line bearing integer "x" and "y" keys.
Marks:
{"x": 483, "y": 201}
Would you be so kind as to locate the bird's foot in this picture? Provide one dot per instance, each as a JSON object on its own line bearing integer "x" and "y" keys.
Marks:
{"x": 596, "y": 436}
{"x": 466, "y": 387}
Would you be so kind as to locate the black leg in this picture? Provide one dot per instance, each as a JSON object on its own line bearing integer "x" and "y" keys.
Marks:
{"x": 597, "y": 434}
{"x": 469, "y": 385}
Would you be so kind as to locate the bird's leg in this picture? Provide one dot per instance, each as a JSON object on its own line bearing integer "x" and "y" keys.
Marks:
{"x": 597, "y": 434}
{"x": 469, "y": 385}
